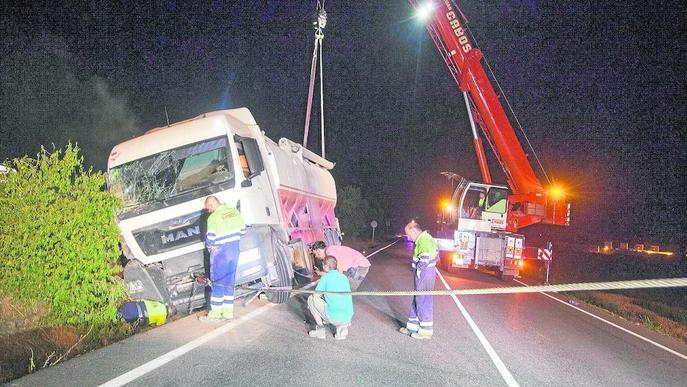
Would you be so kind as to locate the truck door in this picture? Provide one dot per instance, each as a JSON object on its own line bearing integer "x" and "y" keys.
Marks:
{"x": 495, "y": 207}
{"x": 257, "y": 201}
{"x": 472, "y": 203}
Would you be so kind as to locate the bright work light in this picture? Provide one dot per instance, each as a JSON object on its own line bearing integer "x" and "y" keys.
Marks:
{"x": 557, "y": 192}
{"x": 444, "y": 203}
{"x": 425, "y": 10}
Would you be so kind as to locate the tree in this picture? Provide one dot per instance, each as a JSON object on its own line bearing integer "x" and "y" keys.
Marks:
{"x": 352, "y": 211}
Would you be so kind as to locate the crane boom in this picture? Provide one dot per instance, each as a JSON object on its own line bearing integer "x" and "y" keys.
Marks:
{"x": 530, "y": 202}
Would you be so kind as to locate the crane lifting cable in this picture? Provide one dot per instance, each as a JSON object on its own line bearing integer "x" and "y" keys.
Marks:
{"x": 319, "y": 26}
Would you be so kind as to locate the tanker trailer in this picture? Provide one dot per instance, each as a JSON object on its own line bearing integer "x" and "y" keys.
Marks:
{"x": 286, "y": 195}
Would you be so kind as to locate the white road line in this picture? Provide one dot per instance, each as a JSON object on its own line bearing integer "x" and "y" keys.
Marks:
{"x": 612, "y": 324}
{"x": 507, "y": 376}
{"x": 171, "y": 355}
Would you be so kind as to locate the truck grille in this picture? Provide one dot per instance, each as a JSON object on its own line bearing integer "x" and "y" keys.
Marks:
{"x": 171, "y": 234}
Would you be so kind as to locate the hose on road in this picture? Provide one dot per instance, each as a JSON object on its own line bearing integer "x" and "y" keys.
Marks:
{"x": 584, "y": 286}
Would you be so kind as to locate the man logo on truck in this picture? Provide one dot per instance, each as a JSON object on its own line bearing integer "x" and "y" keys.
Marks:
{"x": 181, "y": 234}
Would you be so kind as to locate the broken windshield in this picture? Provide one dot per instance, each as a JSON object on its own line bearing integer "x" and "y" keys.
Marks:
{"x": 173, "y": 173}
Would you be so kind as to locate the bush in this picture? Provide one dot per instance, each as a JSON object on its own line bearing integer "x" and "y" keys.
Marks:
{"x": 58, "y": 238}
{"x": 352, "y": 211}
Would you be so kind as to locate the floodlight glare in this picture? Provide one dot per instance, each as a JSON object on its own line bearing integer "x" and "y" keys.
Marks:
{"x": 424, "y": 11}
{"x": 557, "y": 192}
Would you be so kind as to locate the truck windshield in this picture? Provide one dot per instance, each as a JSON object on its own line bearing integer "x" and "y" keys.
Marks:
{"x": 174, "y": 173}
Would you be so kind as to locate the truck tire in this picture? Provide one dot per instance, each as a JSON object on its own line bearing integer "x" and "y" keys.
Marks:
{"x": 282, "y": 262}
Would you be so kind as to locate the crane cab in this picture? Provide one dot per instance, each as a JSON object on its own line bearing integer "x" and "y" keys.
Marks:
{"x": 480, "y": 239}
{"x": 481, "y": 207}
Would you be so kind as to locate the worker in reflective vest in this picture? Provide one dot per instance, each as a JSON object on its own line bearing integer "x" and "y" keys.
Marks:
{"x": 225, "y": 227}
{"x": 419, "y": 324}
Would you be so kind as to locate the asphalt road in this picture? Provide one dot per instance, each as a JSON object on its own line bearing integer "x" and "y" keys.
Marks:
{"x": 527, "y": 339}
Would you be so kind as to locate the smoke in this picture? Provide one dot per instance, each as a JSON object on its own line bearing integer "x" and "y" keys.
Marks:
{"x": 50, "y": 96}
{"x": 112, "y": 120}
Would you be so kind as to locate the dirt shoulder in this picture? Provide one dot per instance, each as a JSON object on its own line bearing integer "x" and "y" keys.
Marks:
{"x": 661, "y": 310}
{"x": 627, "y": 308}
{"x": 27, "y": 344}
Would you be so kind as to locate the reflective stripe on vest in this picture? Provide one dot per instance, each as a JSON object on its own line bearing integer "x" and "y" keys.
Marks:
{"x": 224, "y": 225}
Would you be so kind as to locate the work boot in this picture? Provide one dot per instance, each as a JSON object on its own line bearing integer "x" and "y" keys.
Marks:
{"x": 418, "y": 335}
{"x": 318, "y": 332}
{"x": 341, "y": 332}
{"x": 405, "y": 331}
{"x": 214, "y": 315}
{"x": 228, "y": 313}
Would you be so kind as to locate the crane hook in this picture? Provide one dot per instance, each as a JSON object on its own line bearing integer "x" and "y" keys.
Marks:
{"x": 321, "y": 19}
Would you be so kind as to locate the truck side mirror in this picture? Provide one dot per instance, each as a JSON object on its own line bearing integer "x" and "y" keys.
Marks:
{"x": 253, "y": 158}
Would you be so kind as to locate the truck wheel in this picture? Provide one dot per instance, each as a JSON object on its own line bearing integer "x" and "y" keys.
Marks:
{"x": 282, "y": 264}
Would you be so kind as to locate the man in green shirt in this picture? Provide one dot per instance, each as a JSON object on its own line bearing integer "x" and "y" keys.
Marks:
{"x": 334, "y": 309}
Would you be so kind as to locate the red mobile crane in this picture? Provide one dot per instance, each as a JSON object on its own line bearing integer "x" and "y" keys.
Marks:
{"x": 488, "y": 217}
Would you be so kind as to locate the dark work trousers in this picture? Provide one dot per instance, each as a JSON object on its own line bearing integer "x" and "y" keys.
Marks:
{"x": 223, "y": 275}
{"x": 420, "y": 315}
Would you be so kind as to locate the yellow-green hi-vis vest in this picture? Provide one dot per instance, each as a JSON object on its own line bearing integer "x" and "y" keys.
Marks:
{"x": 225, "y": 225}
{"x": 425, "y": 251}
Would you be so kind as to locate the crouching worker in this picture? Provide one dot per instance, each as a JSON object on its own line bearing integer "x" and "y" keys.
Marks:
{"x": 333, "y": 309}
{"x": 351, "y": 262}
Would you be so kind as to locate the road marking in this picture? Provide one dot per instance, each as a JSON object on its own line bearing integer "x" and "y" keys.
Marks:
{"x": 171, "y": 355}
{"x": 507, "y": 376}
{"x": 612, "y": 324}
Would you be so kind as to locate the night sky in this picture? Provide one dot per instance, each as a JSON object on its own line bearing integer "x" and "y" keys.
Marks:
{"x": 599, "y": 88}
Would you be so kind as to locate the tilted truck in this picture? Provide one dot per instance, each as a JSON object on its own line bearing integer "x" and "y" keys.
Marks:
{"x": 286, "y": 195}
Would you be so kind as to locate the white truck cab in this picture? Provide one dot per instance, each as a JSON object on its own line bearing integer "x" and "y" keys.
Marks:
{"x": 285, "y": 193}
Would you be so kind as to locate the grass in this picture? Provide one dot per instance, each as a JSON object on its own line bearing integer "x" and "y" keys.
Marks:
{"x": 17, "y": 317}
{"x": 676, "y": 314}
{"x": 28, "y": 344}
{"x": 628, "y": 308}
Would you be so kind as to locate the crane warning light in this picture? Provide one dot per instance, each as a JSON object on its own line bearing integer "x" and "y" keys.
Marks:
{"x": 445, "y": 204}
{"x": 424, "y": 11}
{"x": 556, "y": 192}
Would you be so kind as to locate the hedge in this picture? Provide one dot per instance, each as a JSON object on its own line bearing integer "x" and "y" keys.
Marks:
{"x": 58, "y": 238}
